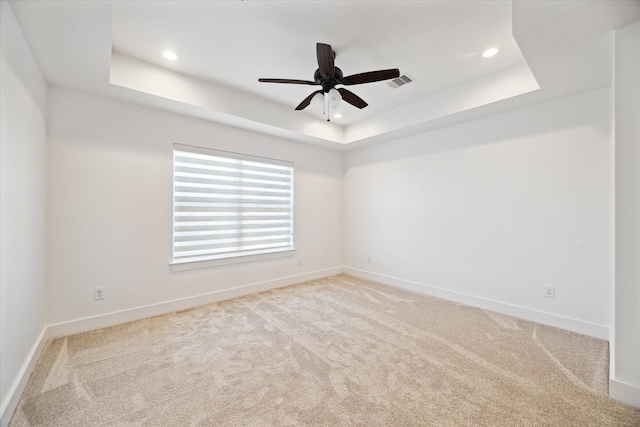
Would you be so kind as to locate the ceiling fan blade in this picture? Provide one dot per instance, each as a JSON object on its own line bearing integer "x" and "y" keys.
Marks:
{"x": 325, "y": 59}
{"x": 352, "y": 98}
{"x": 290, "y": 81}
{"x": 371, "y": 76}
{"x": 304, "y": 104}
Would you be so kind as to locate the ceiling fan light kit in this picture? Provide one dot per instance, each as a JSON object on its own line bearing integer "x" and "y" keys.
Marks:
{"x": 329, "y": 76}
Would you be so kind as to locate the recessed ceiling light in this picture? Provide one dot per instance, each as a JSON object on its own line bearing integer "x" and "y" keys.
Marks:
{"x": 170, "y": 55}
{"x": 490, "y": 52}
{"x": 337, "y": 115}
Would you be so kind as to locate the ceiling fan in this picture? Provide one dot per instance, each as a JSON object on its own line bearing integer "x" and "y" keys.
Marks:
{"x": 329, "y": 76}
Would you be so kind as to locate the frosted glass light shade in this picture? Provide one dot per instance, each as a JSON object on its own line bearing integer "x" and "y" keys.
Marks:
{"x": 334, "y": 97}
{"x": 317, "y": 101}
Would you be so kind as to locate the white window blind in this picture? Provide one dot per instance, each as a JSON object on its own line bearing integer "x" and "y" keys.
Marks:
{"x": 229, "y": 205}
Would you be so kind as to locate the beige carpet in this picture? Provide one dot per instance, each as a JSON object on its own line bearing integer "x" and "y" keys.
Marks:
{"x": 339, "y": 351}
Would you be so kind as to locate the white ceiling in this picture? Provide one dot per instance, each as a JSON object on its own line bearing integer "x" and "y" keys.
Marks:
{"x": 234, "y": 43}
{"x": 115, "y": 49}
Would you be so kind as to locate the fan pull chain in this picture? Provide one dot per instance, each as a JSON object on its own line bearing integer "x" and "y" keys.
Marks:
{"x": 326, "y": 106}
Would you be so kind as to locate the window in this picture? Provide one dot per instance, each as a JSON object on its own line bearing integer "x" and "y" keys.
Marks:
{"x": 230, "y": 207}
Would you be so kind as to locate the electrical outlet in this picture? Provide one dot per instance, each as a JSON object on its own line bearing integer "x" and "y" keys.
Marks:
{"x": 549, "y": 292}
{"x": 98, "y": 293}
{"x": 300, "y": 262}
{"x": 369, "y": 259}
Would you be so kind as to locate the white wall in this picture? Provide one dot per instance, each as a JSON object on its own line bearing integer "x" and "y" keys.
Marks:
{"x": 110, "y": 208}
{"x": 23, "y": 101}
{"x": 625, "y": 344}
{"x": 490, "y": 211}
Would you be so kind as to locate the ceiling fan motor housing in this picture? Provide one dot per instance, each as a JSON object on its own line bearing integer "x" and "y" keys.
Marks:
{"x": 328, "y": 82}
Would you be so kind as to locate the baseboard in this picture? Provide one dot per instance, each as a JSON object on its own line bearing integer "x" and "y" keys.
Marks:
{"x": 124, "y": 316}
{"x": 10, "y": 402}
{"x": 624, "y": 393}
{"x": 574, "y": 325}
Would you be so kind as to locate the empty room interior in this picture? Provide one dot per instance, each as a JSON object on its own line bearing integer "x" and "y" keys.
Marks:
{"x": 336, "y": 213}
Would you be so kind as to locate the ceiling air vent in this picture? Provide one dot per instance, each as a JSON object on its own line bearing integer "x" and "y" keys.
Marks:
{"x": 400, "y": 81}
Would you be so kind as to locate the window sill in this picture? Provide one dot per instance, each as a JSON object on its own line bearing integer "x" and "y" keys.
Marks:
{"x": 238, "y": 259}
